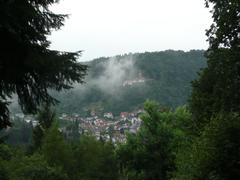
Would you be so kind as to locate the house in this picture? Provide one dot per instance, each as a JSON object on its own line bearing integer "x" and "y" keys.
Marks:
{"x": 63, "y": 116}
{"x": 19, "y": 115}
{"x": 139, "y": 79}
{"x": 97, "y": 135}
{"x": 34, "y": 123}
{"x": 124, "y": 115}
{"x": 108, "y": 115}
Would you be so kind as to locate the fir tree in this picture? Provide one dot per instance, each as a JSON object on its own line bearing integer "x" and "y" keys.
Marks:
{"x": 28, "y": 67}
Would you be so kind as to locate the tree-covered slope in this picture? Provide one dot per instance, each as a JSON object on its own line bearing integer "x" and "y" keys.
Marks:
{"x": 123, "y": 83}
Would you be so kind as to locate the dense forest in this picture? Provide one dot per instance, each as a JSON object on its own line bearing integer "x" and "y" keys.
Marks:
{"x": 123, "y": 83}
{"x": 198, "y": 141}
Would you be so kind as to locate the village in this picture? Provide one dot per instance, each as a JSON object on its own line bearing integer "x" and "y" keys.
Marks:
{"x": 105, "y": 127}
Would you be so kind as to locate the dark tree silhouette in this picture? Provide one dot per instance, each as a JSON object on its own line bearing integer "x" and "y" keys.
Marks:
{"x": 28, "y": 67}
{"x": 217, "y": 89}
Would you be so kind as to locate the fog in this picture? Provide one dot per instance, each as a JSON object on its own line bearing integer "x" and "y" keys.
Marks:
{"x": 115, "y": 71}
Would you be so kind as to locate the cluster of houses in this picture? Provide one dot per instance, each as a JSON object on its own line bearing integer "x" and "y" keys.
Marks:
{"x": 107, "y": 127}
{"x": 27, "y": 118}
{"x": 139, "y": 79}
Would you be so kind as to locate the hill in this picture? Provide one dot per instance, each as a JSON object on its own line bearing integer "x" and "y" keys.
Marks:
{"x": 124, "y": 82}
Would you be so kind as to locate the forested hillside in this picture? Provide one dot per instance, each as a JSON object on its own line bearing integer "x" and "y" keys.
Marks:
{"x": 123, "y": 83}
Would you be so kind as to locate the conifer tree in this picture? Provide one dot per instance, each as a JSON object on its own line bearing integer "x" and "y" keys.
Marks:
{"x": 46, "y": 117}
{"x": 28, "y": 67}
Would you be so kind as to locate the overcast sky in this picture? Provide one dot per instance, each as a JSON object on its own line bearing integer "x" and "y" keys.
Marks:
{"x": 112, "y": 27}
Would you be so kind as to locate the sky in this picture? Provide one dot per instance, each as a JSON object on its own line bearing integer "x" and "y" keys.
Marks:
{"x": 103, "y": 28}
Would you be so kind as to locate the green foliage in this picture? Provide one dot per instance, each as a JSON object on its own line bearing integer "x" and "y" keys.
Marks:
{"x": 28, "y": 67}
{"x": 34, "y": 167}
{"x": 55, "y": 150}
{"x": 95, "y": 160}
{"x": 46, "y": 117}
{"x": 5, "y": 155}
{"x": 19, "y": 134}
{"x": 72, "y": 129}
{"x": 224, "y": 32}
{"x": 15, "y": 164}
{"x": 217, "y": 88}
{"x": 5, "y": 152}
{"x": 85, "y": 158}
{"x": 215, "y": 153}
{"x": 150, "y": 154}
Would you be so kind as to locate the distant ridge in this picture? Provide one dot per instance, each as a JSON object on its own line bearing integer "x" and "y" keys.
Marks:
{"x": 113, "y": 84}
{"x": 122, "y": 83}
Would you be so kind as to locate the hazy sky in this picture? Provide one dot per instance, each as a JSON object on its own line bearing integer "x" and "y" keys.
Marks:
{"x": 112, "y": 27}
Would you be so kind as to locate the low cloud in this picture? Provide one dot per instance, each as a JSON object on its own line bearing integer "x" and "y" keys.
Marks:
{"x": 116, "y": 71}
